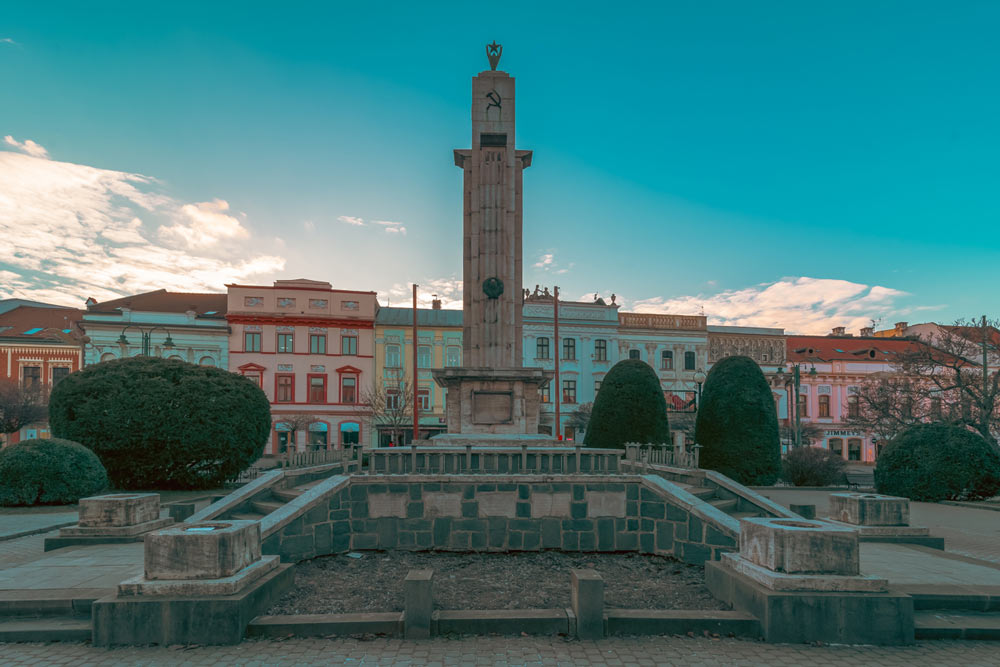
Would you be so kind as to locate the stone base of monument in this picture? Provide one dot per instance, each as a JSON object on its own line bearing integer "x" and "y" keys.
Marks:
{"x": 112, "y": 519}
{"x": 203, "y": 584}
{"x": 879, "y": 518}
{"x": 800, "y": 579}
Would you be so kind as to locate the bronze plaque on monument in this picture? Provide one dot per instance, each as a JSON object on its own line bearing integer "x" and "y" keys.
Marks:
{"x": 492, "y": 407}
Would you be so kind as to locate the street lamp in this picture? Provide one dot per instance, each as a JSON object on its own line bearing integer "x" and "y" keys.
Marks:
{"x": 796, "y": 380}
{"x": 699, "y": 379}
{"x": 146, "y": 335}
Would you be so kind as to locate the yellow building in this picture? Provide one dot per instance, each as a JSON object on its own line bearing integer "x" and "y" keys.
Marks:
{"x": 439, "y": 344}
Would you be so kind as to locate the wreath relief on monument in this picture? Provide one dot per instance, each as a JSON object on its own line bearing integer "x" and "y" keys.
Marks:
{"x": 493, "y": 287}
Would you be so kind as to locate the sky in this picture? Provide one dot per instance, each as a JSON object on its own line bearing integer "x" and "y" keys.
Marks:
{"x": 789, "y": 164}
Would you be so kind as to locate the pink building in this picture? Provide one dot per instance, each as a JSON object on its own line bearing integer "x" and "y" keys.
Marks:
{"x": 311, "y": 349}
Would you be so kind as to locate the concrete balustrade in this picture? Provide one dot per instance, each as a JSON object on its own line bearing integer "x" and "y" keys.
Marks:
{"x": 471, "y": 459}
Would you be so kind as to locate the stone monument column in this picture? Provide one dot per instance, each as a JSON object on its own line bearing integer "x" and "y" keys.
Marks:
{"x": 492, "y": 393}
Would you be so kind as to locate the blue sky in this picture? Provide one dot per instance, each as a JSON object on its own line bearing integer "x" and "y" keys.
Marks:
{"x": 803, "y": 165}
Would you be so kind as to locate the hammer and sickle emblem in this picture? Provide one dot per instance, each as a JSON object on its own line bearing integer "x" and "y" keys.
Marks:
{"x": 494, "y": 97}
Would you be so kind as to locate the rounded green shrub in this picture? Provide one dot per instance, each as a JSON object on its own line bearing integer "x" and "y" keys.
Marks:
{"x": 49, "y": 472}
{"x": 163, "y": 423}
{"x": 812, "y": 466}
{"x": 938, "y": 461}
{"x": 737, "y": 425}
{"x": 629, "y": 408}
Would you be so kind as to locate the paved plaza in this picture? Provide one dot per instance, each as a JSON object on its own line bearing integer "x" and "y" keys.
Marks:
{"x": 679, "y": 651}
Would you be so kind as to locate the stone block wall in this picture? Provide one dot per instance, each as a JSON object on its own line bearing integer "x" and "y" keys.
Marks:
{"x": 499, "y": 513}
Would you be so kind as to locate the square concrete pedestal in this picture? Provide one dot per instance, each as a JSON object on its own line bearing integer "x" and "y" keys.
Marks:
{"x": 879, "y": 518}
{"x": 112, "y": 519}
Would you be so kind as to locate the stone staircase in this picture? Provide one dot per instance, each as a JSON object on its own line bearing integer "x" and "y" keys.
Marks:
{"x": 714, "y": 496}
{"x": 269, "y": 501}
{"x": 47, "y": 616}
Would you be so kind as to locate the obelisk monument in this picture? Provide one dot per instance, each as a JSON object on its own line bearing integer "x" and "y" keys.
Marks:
{"x": 492, "y": 394}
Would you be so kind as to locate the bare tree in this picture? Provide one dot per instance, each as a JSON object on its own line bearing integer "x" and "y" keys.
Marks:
{"x": 20, "y": 406}
{"x": 810, "y": 433}
{"x": 295, "y": 422}
{"x": 952, "y": 375}
{"x": 391, "y": 405}
{"x": 579, "y": 418}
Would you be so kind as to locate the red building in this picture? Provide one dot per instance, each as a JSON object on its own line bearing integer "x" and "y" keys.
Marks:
{"x": 39, "y": 346}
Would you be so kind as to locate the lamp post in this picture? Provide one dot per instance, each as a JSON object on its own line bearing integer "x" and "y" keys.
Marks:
{"x": 146, "y": 335}
{"x": 796, "y": 381}
{"x": 699, "y": 379}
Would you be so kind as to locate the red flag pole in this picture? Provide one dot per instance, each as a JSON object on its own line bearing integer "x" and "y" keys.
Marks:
{"x": 555, "y": 320}
{"x": 416, "y": 403}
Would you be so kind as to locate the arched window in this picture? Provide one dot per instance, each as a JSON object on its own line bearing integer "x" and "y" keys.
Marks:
{"x": 318, "y": 435}
{"x": 350, "y": 433}
{"x": 176, "y": 356}
{"x": 283, "y": 438}
{"x": 206, "y": 361}
{"x": 108, "y": 356}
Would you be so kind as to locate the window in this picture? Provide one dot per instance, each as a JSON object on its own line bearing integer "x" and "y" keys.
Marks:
{"x": 542, "y": 348}
{"x": 108, "y": 356}
{"x": 251, "y": 342}
{"x": 853, "y": 410}
{"x": 285, "y": 389}
{"x": 255, "y": 378}
{"x": 667, "y": 360}
{"x": 349, "y": 345}
{"x": 634, "y": 354}
{"x": 206, "y": 361}
{"x": 803, "y": 405}
{"x": 424, "y": 399}
{"x": 317, "y": 389}
{"x": 349, "y": 389}
{"x": 318, "y": 435}
{"x": 597, "y": 387}
{"x": 936, "y": 407}
{"x": 58, "y": 374}
{"x": 392, "y": 359}
{"x": 424, "y": 356}
{"x": 453, "y": 355}
{"x": 689, "y": 360}
{"x": 31, "y": 376}
{"x": 317, "y": 343}
{"x": 600, "y": 350}
{"x": 853, "y": 449}
{"x": 392, "y": 399}
{"x": 286, "y": 343}
{"x": 569, "y": 348}
{"x": 836, "y": 446}
{"x": 546, "y": 394}
{"x": 284, "y": 437}
{"x": 824, "y": 406}
{"x": 569, "y": 391}
{"x": 350, "y": 434}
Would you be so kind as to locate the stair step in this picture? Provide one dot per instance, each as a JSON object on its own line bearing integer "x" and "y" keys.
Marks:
{"x": 956, "y": 625}
{"x": 725, "y": 504}
{"x": 287, "y": 495}
{"x": 703, "y": 492}
{"x": 246, "y": 516}
{"x": 266, "y": 506}
{"x": 46, "y": 629}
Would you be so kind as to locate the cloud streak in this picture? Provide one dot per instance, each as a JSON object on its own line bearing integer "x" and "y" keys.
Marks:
{"x": 797, "y": 304}
{"x": 27, "y": 146}
{"x": 351, "y": 220}
{"x": 73, "y": 231}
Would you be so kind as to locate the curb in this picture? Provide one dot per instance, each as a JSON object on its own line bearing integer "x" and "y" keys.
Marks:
{"x": 978, "y": 506}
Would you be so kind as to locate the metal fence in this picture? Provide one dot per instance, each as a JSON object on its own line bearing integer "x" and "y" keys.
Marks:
{"x": 492, "y": 460}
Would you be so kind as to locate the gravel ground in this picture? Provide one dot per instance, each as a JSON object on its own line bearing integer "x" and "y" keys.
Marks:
{"x": 522, "y": 580}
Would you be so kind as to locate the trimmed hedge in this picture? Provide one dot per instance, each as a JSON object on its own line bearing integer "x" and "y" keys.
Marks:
{"x": 813, "y": 466}
{"x": 49, "y": 472}
{"x": 938, "y": 461}
{"x": 737, "y": 425}
{"x": 629, "y": 408}
{"x": 163, "y": 423}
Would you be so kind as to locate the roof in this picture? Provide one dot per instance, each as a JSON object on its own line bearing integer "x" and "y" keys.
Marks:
{"x": 762, "y": 331}
{"x": 10, "y": 304}
{"x": 162, "y": 301}
{"x": 426, "y": 317}
{"x": 848, "y": 348}
{"x": 39, "y": 323}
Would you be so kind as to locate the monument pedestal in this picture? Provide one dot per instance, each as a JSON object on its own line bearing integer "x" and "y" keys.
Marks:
{"x": 492, "y": 406}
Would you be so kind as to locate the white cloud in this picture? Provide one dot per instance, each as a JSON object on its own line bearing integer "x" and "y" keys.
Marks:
{"x": 799, "y": 305}
{"x": 204, "y": 224}
{"x": 387, "y": 223}
{"x": 28, "y": 146}
{"x": 396, "y": 230}
{"x": 544, "y": 262}
{"x": 309, "y": 226}
{"x": 71, "y": 231}
{"x": 8, "y": 40}
{"x": 351, "y": 220}
{"x": 400, "y": 295}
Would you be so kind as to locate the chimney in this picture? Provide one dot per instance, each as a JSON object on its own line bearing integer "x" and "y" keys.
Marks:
{"x": 867, "y": 332}
{"x": 436, "y": 303}
{"x": 838, "y": 331}
{"x": 900, "y": 328}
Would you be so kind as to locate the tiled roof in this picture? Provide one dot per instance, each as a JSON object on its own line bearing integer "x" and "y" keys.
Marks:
{"x": 426, "y": 317}
{"x": 44, "y": 323}
{"x": 11, "y": 304}
{"x": 847, "y": 348}
{"x": 162, "y": 301}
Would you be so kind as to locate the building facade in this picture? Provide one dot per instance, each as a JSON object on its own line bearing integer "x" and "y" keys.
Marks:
{"x": 175, "y": 325}
{"x": 39, "y": 346}
{"x": 439, "y": 345}
{"x": 311, "y": 348}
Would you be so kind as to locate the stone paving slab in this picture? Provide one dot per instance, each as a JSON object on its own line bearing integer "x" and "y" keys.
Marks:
{"x": 513, "y": 651}
{"x": 13, "y": 526}
{"x": 103, "y": 566}
{"x": 903, "y": 564}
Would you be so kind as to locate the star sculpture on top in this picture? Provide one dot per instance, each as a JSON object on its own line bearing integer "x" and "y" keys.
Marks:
{"x": 493, "y": 52}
